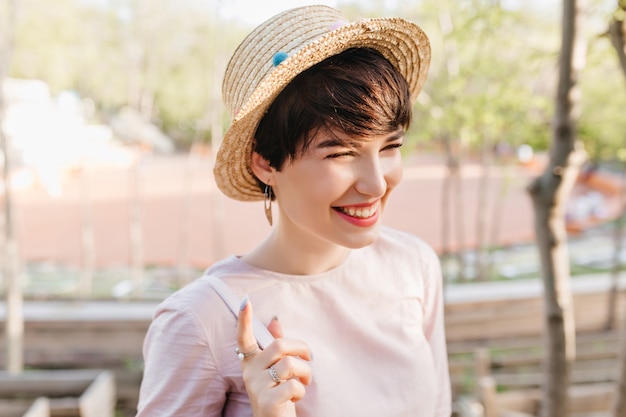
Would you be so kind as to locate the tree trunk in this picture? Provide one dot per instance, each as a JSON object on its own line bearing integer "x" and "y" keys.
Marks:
{"x": 617, "y": 30}
{"x": 85, "y": 284}
{"x": 619, "y": 398}
{"x": 549, "y": 193}
{"x": 482, "y": 214}
{"x": 14, "y": 326}
{"x": 459, "y": 209}
{"x": 217, "y": 135}
{"x": 452, "y": 182}
{"x": 135, "y": 231}
{"x": 14, "y": 298}
{"x": 184, "y": 216}
{"x": 186, "y": 204}
{"x": 498, "y": 207}
{"x": 445, "y": 223}
{"x": 453, "y": 198}
{"x": 618, "y": 237}
{"x": 11, "y": 264}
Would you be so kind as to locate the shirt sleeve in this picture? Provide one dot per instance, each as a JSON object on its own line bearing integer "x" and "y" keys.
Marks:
{"x": 180, "y": 375}
{"x": 434, "y": 331}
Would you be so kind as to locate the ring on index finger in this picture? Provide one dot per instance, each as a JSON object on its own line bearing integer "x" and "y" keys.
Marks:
{"x": 242, "y": 355}
{"x": 275, "y": 376}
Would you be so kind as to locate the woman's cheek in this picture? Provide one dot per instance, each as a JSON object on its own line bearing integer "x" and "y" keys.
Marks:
{"x": 394, "y": 170}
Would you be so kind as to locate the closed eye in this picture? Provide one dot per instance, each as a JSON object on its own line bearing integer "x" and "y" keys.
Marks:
{"x": 339, "y": 154}
{"x": 392, "y": 146}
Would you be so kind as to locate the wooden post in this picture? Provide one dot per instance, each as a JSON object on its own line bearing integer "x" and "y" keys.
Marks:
{"x": 485, "y": 384}
{"x": 99, "y": 399}
{"x": 482, "y": 362}
{"x": 40, "y": 408}
{"x": 84, "y": 393}
{"x": 488, "y": 396}
{"x": 11, "y": 270}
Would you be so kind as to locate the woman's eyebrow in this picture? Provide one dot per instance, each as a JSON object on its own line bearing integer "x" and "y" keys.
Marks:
{"x": 395, "y": 136}
{"x": 334, "y": 141}
{"x": 331, "y": 142}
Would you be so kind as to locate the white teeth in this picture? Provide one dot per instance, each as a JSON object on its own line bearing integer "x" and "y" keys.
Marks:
{"x": 359, "y": 213}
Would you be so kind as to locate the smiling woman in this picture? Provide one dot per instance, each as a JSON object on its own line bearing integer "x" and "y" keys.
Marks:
{"x": 336, "y": 127}
{"x": 320, "y": 107}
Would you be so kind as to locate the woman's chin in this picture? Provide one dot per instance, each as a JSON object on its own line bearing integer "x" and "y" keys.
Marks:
{"x": 361, "y": 240}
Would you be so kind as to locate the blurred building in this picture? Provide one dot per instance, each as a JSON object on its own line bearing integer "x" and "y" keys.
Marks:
{"x": 51, "y": 136}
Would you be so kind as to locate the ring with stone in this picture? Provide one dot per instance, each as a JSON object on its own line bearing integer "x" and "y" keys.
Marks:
{"x": 275, "y": 376}
{"x": 242, "y": 355}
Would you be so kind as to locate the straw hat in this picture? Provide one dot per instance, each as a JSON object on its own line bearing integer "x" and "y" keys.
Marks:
{"x": 281, "y": 48}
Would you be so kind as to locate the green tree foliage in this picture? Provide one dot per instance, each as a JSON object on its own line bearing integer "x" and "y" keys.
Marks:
{"x": 159, "y": 55}
{"x": 602, "y": 123}
{"x": 500, "y": 90}
{"x": 105, "y": 50}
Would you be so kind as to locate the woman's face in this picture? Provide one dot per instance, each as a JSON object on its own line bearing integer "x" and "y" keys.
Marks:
{"x": 334, "y": 192}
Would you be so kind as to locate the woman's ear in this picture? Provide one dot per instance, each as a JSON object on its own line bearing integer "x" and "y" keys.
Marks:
{"x": 261, "y": 168}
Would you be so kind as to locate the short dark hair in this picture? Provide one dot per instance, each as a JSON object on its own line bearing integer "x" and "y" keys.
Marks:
{"x": 357, "y": 91}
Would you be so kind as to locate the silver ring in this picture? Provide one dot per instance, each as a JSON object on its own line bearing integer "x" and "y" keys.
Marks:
{"x": 275, "y": 376}
{"x": 242, "y": 355}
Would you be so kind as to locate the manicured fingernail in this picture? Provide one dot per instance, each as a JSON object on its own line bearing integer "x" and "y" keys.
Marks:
{"x": 244, "y": 303}
{"x": 275, "y": 318}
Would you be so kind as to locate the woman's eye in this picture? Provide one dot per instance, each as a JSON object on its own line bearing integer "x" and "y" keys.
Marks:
{"x": 339, "y": 154}
{"x": 392, "y": 146}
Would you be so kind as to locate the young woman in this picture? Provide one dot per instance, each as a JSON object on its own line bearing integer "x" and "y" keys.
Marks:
{"x": 354, "y": 309}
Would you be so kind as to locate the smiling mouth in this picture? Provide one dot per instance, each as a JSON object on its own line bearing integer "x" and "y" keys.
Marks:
{"x": 359, "y": 213}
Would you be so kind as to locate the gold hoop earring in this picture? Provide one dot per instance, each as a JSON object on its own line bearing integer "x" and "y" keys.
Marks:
{"x": 267, "y": 202}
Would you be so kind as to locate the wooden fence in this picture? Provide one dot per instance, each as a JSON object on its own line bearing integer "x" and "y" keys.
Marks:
{"x": 65, "y": 393}
{"x": 109, "y": 335}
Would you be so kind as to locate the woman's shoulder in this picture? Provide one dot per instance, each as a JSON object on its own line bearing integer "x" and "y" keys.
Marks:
{"x": 199, "y": 297}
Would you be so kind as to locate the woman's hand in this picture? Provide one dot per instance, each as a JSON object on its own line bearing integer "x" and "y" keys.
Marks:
{"x": 272, "y": 395}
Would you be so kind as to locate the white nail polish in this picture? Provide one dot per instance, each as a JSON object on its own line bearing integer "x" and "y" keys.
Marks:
{"x": 244, "y": 303}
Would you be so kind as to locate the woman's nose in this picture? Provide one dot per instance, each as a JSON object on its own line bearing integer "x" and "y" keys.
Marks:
{"x": 371, "y": 178}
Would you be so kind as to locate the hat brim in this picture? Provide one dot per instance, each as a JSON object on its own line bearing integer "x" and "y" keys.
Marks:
{"x": 401, "y": 42}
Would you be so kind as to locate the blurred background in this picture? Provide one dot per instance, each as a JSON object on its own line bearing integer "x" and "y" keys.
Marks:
{"x": 111, "y": 114}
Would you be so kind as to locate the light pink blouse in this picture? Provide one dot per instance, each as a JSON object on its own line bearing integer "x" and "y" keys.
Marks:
{"x": 374, "y": 324}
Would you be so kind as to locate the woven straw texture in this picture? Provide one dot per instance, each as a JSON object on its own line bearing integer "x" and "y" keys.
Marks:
{"x": 308, "y": 35}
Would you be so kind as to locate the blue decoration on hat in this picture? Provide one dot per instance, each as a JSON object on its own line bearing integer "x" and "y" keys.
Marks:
{"x": 279, "y": 57}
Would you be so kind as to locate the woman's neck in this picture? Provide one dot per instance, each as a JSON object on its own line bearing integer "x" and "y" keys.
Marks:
{"x": 285, "y": 255}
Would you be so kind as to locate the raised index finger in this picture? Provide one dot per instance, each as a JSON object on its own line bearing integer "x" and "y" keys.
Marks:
{"x": 245, "y": 335}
